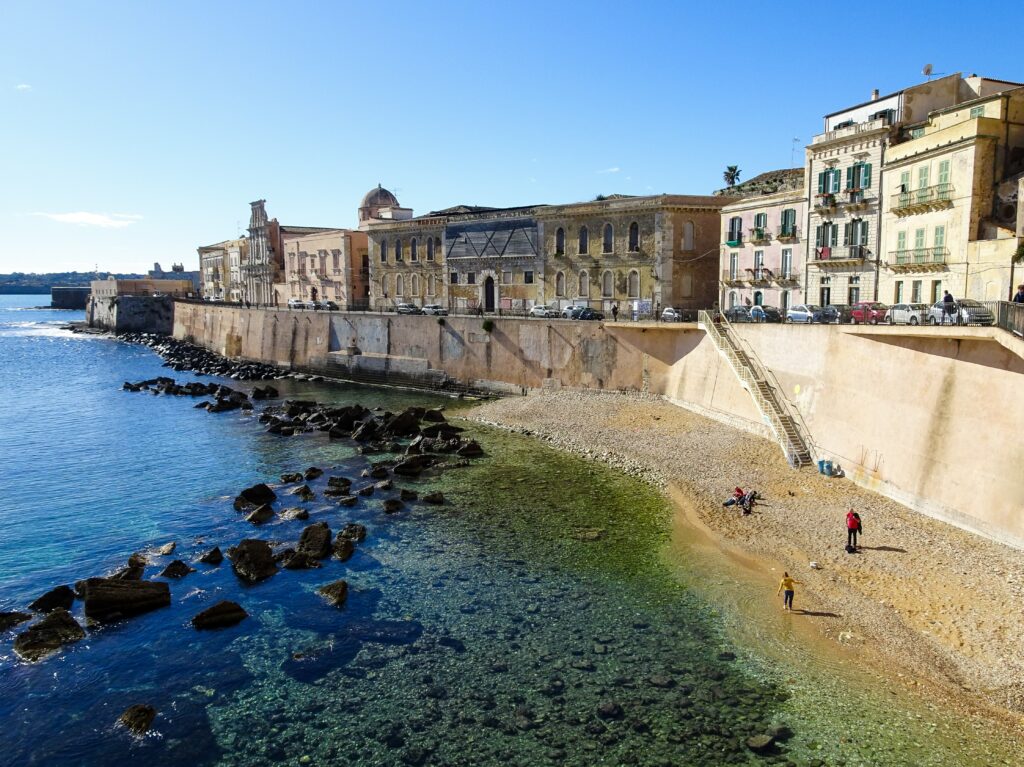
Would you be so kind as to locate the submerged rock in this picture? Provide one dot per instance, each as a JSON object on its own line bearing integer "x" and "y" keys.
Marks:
{"x": 312, "y": 473}
{"x": 60, "y": 598}
{"x": 164, "y": 551}
{"x": 760, "y": 744}
{"x": 40, "y": 639}
{"x": 408, "y": 495}
{"x": 220, "y": 615}
{"x": 252, "y": 560}
{"x": 471, "y": 449}
{"x": 295, "y": 512}
{"x": 434, "y": 497}
{"x": 336, "y": 593}
{"x": 299, "y": 560}
{"x": 108, "y": 599}
{"x": 291, "y": 478}
{"x": 138, "y": 718}
{"x": 12, "y": 619}
{"x": 304, "y": 492}
{"x": 392, "y": 505}
{"x": 343, "y": 549}
{"x": 353, "y": 531}
{"x": 176, "y": 569}
{"x": 348, "y": 500}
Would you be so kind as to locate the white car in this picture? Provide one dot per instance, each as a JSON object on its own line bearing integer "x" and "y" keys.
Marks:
{"x": 296, "y": 303}
{"x": 543, "y": 310}
{"x": 671, "y": 314}
{"x": 907, "y": 314}
{"x": 806, "y": 313}
{"x": 436, "y": 309}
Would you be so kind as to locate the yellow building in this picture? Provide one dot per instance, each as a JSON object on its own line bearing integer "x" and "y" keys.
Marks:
{"x": 325, "y": 266}
{"x": 952, "y": 204}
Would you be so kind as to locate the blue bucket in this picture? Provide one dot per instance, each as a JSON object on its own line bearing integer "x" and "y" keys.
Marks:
{"x": 821, "y": 466}
{"x": 828, "y": 468}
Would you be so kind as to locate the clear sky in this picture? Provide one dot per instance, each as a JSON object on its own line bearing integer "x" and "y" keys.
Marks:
{"x": 133, "y": 132}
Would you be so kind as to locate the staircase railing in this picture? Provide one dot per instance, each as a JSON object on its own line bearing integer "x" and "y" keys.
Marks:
{"x": 754, "y": 380}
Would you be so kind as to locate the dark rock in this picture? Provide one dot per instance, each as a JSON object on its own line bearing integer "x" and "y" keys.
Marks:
{"x": 367, "y": 490}
{"x": 434, "y": 497}
{"x": 212, "y": 557}
{"x": 295, "y": 513}
{"x": 252, "y": 560}
{"x": 443, "y": 430}
{"x": 299, "y": 560}
{"x": 589, "y": 534}
{"x": 404, "y": 424}
{"x": 134, "y": 571}
{"x": 336, "y": 593}
{"x": 12, "y": 619}
{"x": 108, "y": 599}
{"x": 353, "y": 532}
{"x": 378, "y": 472}
{"x": 291, "y": 477}
{"x": 304, "y": 492}
{"x": 408, "y": 495}
{"x": 339, "y": 482}
{"x": 220, "y": 615}
{"x": 257, "y": 495}
{"x": 660, "y": 680}
{"x": 316, "y": 540}
{"x": 343, "y": 549}
{"x": 727, "y": 655}
{"x": 60, "y": 598}
{"x": 384, "y": 485}
{"x": 260, "y": 515}
{"x": 176, "y": 569}
{"x": 348, "y": 500}
{"x": 434, "y": 415}
{"x": 413, "y": 465}
{"x": 609, "y": 709}
{"x": 40, "y": 639}
{"x": 760, "y": 744}
{"x": 138, "y": 718}
{"x": 471, "y": 449}
{"x": 392, "y": 505}
{"x": 312, "y": 473}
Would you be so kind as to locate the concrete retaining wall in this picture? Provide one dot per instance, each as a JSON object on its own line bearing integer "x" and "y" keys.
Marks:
{"x": 142, "y": 314}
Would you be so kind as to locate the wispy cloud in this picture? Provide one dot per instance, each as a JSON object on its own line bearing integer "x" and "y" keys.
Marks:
{"x": 616, "y": 169}
{"x": 100, "y": 220}
{"x": 22, "y": 87}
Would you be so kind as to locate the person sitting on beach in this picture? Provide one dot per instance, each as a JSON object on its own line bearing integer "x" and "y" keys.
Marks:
{"x": 737, "y": 497}
{"x": 748, "y": 500}
{"x": 786, "y": 589}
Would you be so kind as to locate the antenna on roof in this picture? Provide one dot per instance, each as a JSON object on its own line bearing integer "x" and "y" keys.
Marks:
{"x": 929, "y": 72}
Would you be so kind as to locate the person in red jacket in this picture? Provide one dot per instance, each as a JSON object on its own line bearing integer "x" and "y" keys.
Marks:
{"x": 853, "y": 527}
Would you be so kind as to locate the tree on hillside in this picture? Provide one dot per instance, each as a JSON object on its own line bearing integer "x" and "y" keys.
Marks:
{"x": 732, "y": 175}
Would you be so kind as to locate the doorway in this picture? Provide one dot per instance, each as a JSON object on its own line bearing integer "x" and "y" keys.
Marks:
{"x": 826, "y": 296}
{"x": 489, "y": 294}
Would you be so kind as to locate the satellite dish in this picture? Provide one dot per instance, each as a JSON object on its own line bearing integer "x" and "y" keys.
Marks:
{"x": 927, "y": 71}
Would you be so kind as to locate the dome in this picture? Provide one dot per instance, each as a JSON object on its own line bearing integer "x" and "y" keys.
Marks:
{"x": 379, "y": 198}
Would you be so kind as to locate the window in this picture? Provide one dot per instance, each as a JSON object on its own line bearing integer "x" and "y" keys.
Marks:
{"x": 430, "y": 249}
{"x": 734, "y": 261}
{"x": 471, "y": 278}
{"x": 688, "y": 235}
{"x": 528, "y": 278}
{"x": 732, "y": 298}
{"x": 634, "y": 284}
{"x": 915, "y": 292}
{"x": 918, "y": 239}
{"x": 506, "y": 278}
{"x": 415, "y": 285}
{"x": 430, "y": 283}
{"x": 437, "y": 245}
{"x": 760, "y": 220}
{"x": 383, "y": 251}
{"x": 634, "y": 237}
{"x": 584, "y": 291}
{"x": 787, "y": 262}
{"x": 560, "y": 284}
{"x": 978, "y": 111}
{"x": 608, "y": 239}
{"x": 858, "y": 176}
{"x": 735, "y": 230}
{"x": 905, "y": 181}
{"x": 939, "y": 239}
{"x": 936, "y": 290}
{"x": 916, "y": 132}
{"x": 384, "y": 286}
{"x": 826, "y": 235}
{"x": 758, "y": 298}
{"x": 922, "y": 177}
{"x": 944, "y": 172}
{"x": 901, "y": 241}
{"x": 784, "y": 304}
{"x": 758, "y": 264}
{"x": 560, "y": 242}
{"x": 414, "y": 251}
{"x": 453, "y": 278}
{"x": 828, "y": 181}
{"x": 399, "y": 285}
{"x": 584, "y": 241}
{"x": 606, "y": 284}
{"x": 856, "y": 232}
{"x": 788, "y": 220}
{"x": 854, "y": 294}
{"x": 897, "y": 294}
{"x": 336, "y": 260}
{"x": 398, "y": 250}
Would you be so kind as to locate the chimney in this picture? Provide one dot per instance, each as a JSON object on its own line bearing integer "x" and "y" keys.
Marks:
{"x": 874, "y": 95}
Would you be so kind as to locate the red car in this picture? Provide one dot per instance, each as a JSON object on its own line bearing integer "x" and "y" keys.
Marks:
{"x": 868, "y": 311}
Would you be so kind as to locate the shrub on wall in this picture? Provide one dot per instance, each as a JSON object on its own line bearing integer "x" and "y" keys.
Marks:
{"x": 440, "y": 320}
{"x": 488, "y": 326}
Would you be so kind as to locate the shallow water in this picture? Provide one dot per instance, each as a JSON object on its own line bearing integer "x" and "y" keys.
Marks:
{"x": 487, "y": 631}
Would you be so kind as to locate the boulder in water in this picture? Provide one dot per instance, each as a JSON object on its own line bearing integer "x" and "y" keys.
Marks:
{"x": 353, "y": 531}
{"x": 434, "y": 497}
{"x": 257, "y": 495}
{"x": 220, "y": 615}
{"x": 312, "y": 473}
{"x": 336, "y": 593}
{"x": 343, "y": 549}
{"x": 212, "y": 557}
{"x": 316, "y": 540}
{"x": 176, "y": 569}
{"x": 292, "y": 477}
{"x": 252, "y": 560}
{"x": 108, "y": 599}
{"x": 392, "y": 505}
{"x": 12, "y": 619}
{"x": 138, "y": 718}
{"x": 260, "y": 515}
{"x": 166, "y": 550}
{"x": 40, "y": 639}
{"x": 60, "y": 598}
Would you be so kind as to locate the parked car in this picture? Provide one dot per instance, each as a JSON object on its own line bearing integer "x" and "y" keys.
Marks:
{"x": 805, "y": 313}
{"x": 907, "y": 314}
{"x": 543, "y": 310}
{"x": 836, "y": 313}
{"x": 586, "y": 313}
{"x": 868, "y": 312}
{"x": 672, "y": 314}
{"x": 296, "y": 303}
{"x": 572, "y": 312}
{"x": 966, "y": 311}
{"x": 435, "y": 309}
{"x": 327, "y": 306}
{"x": 408, "y": 309}
{"x": 765, "y": 314}
{"x": 738, "y": 314}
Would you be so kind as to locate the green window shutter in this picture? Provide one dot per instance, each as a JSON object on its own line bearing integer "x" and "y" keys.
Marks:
{"x": 835, "y": 180}
{"x": 819, "y": 237}
{"x": 919, "y": 238}
{"x": 901, "y": 240}
{"x": 865, "y": 175}
{"x": 863, "y": 233}
{"x": 905, "y": 180}
{"x": 821, "y": 183}
{"x": 940, "y": 236}
{"x": 835, "y": 232}
{"x": 922, "y": 177}
{"x": 944, "y": 172}
{"x": 849, "y": 177}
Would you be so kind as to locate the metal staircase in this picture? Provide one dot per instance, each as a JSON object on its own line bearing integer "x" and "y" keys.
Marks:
{"x": 754, "y": 378}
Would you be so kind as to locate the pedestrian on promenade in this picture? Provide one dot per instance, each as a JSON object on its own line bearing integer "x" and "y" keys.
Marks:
{"x": 786, "y": 589}
{"x": 1018, "y": 297}
{"x": 615, "y": 312}
{"x": 853, "y": 527}
{"x": 948, "y": 307}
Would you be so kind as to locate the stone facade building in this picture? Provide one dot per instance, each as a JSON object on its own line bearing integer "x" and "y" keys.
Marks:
{"x": 946, "y": 224}
{"x": 325, "y": 266}
{"x": 764, "y": 247}
{"x": 220, "y": 269}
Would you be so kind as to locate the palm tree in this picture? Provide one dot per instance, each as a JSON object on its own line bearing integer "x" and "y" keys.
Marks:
{"x": 732, "y": 175}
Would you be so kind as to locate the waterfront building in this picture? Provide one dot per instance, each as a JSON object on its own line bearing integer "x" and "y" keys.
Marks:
{"x": 844, "y": 184}
{"x": 764, "y": 243}
{"x": 177, "y": 273}
{"x": 952, "y": 202}
{"x": 220, "y": 269}
{"x": 112, "y": 288}
{"x": 326, "y": 266}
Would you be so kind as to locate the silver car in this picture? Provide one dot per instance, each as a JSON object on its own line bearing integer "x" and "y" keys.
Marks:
{"x": 543, "y": 310}
{"x": 436, "y": 309}
{"x": 907, "y": 314}
{"x": 966, "y": 311}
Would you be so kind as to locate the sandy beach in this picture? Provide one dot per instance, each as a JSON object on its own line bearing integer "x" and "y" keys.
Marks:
{"x": 929, "y": 605}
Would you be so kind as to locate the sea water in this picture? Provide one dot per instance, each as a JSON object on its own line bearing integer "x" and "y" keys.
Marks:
{"x": 532, "y": 619}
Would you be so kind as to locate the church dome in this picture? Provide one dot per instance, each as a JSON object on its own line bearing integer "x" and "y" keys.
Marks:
{"x": 379, "y": 198}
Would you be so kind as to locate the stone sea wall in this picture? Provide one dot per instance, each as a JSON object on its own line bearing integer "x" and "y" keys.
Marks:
{"x": 925, "y": 416}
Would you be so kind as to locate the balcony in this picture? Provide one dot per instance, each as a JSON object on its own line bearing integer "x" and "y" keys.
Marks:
{"x": 760, "y": 236}
{"x": 760, "y": 277}
{"x": 734, "y": 239}
{"x": 788, "y": 279}
{"x": 733, "y": 280}
{"x": 856, "y": 199}
{"x": 825, "y": 203}
{"x": 846, "y": 255}
{"x": 918, "y": 260}
{"x": 849, "y": 131}
{"x": 922, "y": 200}
{"x": 788, "y": 234}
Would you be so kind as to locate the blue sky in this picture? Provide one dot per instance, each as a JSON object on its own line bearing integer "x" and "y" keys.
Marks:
{"x": 134, "y": 132}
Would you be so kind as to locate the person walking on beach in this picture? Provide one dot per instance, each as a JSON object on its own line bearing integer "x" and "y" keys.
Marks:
{"x": 853, "y": 527}
{"x": 786, "y": 589}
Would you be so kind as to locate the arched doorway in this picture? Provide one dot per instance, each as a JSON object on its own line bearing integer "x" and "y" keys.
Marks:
{"x": 758, "y": 298}
{"x": 489, "y": 294}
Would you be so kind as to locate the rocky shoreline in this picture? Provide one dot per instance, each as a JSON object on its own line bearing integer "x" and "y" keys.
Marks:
{"x": 955, "y": 633}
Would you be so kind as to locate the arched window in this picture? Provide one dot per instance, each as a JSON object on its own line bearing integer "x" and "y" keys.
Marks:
{"x": 414, "y": 251}
{"x": 415, "y": 285}
{"x": 384, "y": 292}
{"x": 688, "y": 235}
{"x": 560, "y": 284}
{"x": 758, "y": 298}
{"x": 732, "y": 298}
{"x": 437, "y": 245}
{"x": 584, "y": 241}
{"x": 383, "y": 251}
{"x": 430, "y": 283}
{"x": 430, "y": 249}
{"x": 399, "y": 285}
{"x": 398, "y": 250}
{"x": 560, "y": 242}
{"x": 606, "y": 284}
{"x": 634, "y": 237}
{"x": 608, "y": 239}
{"x": 584, "y": 285}
{"x": 634, "y": 284}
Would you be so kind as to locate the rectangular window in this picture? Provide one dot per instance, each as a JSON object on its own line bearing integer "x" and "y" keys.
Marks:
{"x": 922, "y": 177}
{"x": 904, "y": 181}
{"x": 760, "y": 220}
{"x": 944, "y": 172}
{"x": 978, "y": 111}
{"x": 939, "y": 241}
{"x": 901, "y": 240}
{"x": 854, "y": 293}
{"x": 915, "y": 292}
{"x": 936, "y": 290}
{"x": 734, "y": 265}
{"x": 471, "y": 278}
{"x": 506, "y": 278}
{"x": 758, "y": 263}
{"x": 528, "y": 278}
{"x": 787, "y": 262}
{"x": 918, "y": 238}
{"x": 454, "y": 278}
{"x": 897, "y": 295}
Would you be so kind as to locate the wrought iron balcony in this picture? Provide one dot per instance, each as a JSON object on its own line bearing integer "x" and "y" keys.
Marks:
{"x": 921, "y": 200}
{"x": 788, "y": 234}
{"x": 760, "y": 235}
{"x": 733, "y": 279}
{"x": 843, "y": 255}
{"x": 761, "y": 277}
{"x": 825, "y": 203}
{"x": 918, "y": 259}
{"x": 734, "y": 239}
{"x": 787, "y": 279}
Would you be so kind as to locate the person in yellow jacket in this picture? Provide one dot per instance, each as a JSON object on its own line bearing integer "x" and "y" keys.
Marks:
{"x": 786, "y": 589}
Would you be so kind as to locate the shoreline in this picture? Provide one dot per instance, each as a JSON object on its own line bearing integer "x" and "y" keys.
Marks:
{"x": 924, "y": 605}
